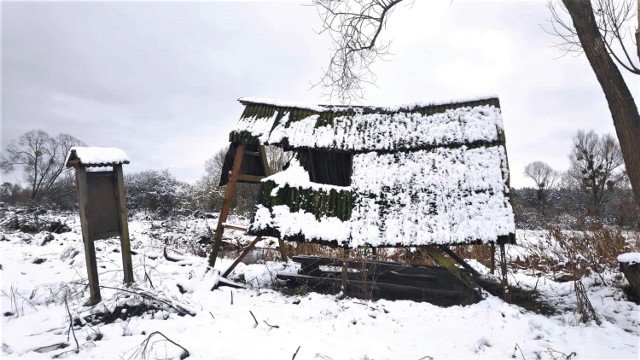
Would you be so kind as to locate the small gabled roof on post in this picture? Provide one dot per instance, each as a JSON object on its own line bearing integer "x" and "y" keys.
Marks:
{"x": 96, "y": 156}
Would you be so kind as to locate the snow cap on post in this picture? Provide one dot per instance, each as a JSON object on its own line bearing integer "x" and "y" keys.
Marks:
{"x": 96, "y": 156}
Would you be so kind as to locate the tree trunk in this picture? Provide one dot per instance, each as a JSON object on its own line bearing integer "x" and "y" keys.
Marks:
{"x": 624, "y": 111}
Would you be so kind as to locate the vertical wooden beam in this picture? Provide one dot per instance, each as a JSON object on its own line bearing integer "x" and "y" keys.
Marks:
{"x": 345, "y": 271}
{"x": 125, "y": 243}
{"x": 493, "y": 258}
{"x": 226, "y": 205}
{"x": 506, "y": 293}
{"x": 284, "y": 253}
{"x": 89, "y": 248}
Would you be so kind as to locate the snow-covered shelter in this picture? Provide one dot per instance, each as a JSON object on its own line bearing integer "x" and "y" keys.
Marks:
{"x": 419, "y": 174}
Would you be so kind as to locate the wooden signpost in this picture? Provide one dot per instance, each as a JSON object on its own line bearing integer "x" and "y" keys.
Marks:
{"x": 103, "y": 209}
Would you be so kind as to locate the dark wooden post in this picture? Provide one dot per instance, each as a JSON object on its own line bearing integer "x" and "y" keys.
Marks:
{"x": 125, "y": 243}
{"x": 506, "y": 293}
{"x": 493, "y": 258}
{"x": 226, "y": 205}
{"x": 89, "y": 248}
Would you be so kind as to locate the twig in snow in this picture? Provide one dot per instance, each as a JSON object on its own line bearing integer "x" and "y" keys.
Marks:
{"x": 146, "y": 295}
{"x": 231, "y": 297}
{"x": 185, "y": 353}
{"x": 273, "y": 326}
{"x": 295, "y": 353}
{"x": 71, "y": 330}
{"x": 517, "y": 347}
{"x": 254, "y": 318}
{"x": 212, "y": 315}
{"x": 564, "y": 356}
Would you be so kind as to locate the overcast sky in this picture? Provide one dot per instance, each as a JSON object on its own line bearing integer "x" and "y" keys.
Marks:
{"x": 160, "y": 80}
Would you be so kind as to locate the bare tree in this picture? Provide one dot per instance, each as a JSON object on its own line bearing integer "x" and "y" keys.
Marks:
{"x": 544, "y": 177}
{"x": 603, "y": 37}
{"x": 354, "y": 27}
{"x": 41, "y": 157}
{"x": 596, "y": 163}
{"x": 277, "y": 158}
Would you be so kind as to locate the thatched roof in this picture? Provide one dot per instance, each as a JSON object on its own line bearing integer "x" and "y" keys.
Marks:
{"x": 419, "y": 174}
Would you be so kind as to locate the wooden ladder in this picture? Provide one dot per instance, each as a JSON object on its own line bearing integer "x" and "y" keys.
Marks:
{"x": 237, "y": 175}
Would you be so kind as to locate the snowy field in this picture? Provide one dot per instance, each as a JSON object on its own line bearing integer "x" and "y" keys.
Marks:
{"x": 43, "y": 279}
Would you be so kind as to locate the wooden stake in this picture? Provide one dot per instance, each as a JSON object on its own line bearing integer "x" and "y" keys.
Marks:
{"x": 125, "y": 243}
{"x": 89, "y": 248}
{"x": 493, "y": 258}
{"x": 506, "y": 294}
{"x": 226, "y": 205}
{"x": 345, "y": 271}
{"x": 244, "y": 253}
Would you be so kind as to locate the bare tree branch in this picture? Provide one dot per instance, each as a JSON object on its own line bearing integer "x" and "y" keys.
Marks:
{"x": 613, "y": 20}
{"x": 354, "y": 26}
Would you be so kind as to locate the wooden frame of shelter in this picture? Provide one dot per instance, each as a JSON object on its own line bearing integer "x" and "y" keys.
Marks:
{"x": 428, "y": 175}
{"x": 102, "y": 206}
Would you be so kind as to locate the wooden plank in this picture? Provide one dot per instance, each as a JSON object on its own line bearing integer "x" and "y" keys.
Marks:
{"x": 390, "y": 277}
{"x": 106, "y": 235}
{"x": 381, "y": 290}
{"x": 460, "y": 260}
{"x": 89, "y": 248}
{"x": 125, "y": 243}
{"x": 234, "y": 227}
{"x": 249, "y": 178}
{"x": 438, "y": 255}
{"x": 312, "y": 262}
{"x": 244, "y": 253}
{"x": 226, "y": 205}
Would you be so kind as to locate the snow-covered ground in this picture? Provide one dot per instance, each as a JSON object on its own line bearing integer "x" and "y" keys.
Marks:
{"x": 43, "y": 281}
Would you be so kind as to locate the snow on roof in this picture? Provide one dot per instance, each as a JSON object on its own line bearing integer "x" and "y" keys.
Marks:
{"x": 363, "y": 128}
{"x": 443, "y": 196}
{"x": 421, "y": 173}
{"x": 96, "y": 156}
{"x": 631, "y": 258}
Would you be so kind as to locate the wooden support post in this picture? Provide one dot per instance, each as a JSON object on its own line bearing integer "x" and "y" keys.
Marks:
{"x": 506, "y": 293}
{"x": 438, "y": 255}
{"x": 345, "y": 271}
{"x": 125, "y": 243}
{"x": 89, "y": 248}
{"x": 244, "y": 253}
{"x": 226, "y": 205}
{"x": 493, "y": 258}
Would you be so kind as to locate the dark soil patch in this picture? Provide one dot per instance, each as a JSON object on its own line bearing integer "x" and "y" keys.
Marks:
{"x": 528, "y": 299}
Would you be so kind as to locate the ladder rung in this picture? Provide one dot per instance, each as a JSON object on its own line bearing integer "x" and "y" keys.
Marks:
{"x": 234, "y": 227}
{"x": 252, "y": 153}
{"x": 250, "y": 178}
